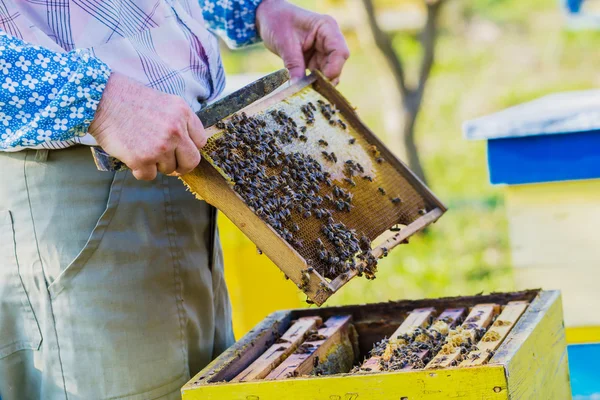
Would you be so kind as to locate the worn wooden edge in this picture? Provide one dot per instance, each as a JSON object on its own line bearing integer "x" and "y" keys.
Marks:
{"x": 496, "y": 333}
{"x": 525, "y": 325}
{"x": 278, "y": 352}
{"x": 243, "y": 352}
{"x": 535, "y": 352}
{"x": 299, "y": 364}
{"x": 487, "y": 382}
{"x": 376, "y": 311}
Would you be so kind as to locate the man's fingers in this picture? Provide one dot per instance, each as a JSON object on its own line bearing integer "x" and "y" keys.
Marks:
{"x": 167, "y": 165}
{"x": 146, "y": 173}
{"x": 187, "y": 155}
{"x": 331, "y": 43}
{"x": 196, "y": 130}
{"x": 293, "y": 60}
{"x": 334, "y": 64}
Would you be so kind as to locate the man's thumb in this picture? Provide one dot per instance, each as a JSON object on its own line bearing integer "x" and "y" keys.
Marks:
{"x": 293, "y": 59}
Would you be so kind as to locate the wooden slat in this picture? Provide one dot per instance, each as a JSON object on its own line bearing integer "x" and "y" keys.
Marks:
{"x": 451, "y": 317}
{"x": 480, "y": 316}
{"x": 299, "y": 364}
{"x": 279, "y": 351}
{"x": 496, "y": 334}
{"x": 417, "y": 318}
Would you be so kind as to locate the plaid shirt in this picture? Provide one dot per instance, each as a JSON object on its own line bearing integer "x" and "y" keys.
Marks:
{"x": 56, "y": 57}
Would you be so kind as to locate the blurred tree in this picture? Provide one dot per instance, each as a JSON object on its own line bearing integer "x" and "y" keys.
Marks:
{"x": 411, "y": 94}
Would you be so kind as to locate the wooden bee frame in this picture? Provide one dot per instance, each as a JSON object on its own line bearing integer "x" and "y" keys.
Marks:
{"x": 531, "y": 362}
{"x": 207, "y": 183}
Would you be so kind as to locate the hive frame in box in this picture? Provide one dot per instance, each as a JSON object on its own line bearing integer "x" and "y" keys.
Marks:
{"x": 531, "y": 363}
{"x": 207, "y": 183}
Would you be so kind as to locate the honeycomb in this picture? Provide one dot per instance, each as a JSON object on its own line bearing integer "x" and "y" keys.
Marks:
{"x": 381, "y": 196}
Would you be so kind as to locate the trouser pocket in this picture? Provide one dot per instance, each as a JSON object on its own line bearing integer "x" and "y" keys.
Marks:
{"x": 19, "y": 329}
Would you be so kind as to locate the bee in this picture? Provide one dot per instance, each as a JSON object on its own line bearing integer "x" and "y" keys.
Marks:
{"x": 295, "y": 227}
{"x": 323, "y": 143}
{"x": 381, "y": 190}
{"x": 303, "y": 129}
{"x": 306, "y": 214}
{"x": 384, "y": 251}
{"x": 220, "y": 125}
{"x": 352, "y": 141}
{"x": 259, "y": 251}
{"x": 368, "y": 178}
{"x": 341, "y": 124}
{"x": 396, "y": 200}
{"x": 422, "y": 211}
{"x": 332, "y": 122}
{"x": 379, "y": 160}
{"x": 350, "y": 182}
{"x": 333, "y": 157}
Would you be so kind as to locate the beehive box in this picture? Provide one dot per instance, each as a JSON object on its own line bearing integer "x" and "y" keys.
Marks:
{"x": 530, "y": 363}
{"x": 547, "y": 153}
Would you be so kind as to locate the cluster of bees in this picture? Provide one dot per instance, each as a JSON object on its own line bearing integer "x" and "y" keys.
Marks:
{"x": 416, "y": 350}
{"x": 284, "y": 187}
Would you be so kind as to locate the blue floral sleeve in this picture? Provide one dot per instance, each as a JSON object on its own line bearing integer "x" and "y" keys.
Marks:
{"x": 232, "y": 20}
{"x": 46, "y": 96}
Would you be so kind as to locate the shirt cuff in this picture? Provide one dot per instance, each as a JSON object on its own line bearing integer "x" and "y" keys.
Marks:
{"x": 234, "y": 22}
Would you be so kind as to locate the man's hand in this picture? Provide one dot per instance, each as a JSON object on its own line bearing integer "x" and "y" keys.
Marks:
{"x": 303, "y": 39}
{"x": 147, "y": 130}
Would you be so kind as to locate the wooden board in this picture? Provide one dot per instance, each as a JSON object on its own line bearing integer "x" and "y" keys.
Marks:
{"x": 480, "y": 317}
{"x": 451, "y": 316}
{"x": 535, "y": 353}
{"x": 278, "y": 352}
{"x": 416, "y": 319}
{"x": 299, "y": 364}
{"x": 496, "y": 334}
{"x": 478, "y": 383}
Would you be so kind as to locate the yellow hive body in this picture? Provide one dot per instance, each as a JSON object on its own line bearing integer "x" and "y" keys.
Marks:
{"x": 531, "y": 362}
{"x": 553, "y": 235}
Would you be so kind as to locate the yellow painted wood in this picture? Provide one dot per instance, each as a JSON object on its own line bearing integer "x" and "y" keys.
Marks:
{"x": 538, "y": 367}
{"x": 547, "y": 219}
{"x": 578, "y": 285}
{"x": 256, "y": 286}
{"x": 554, "y": 243}
{"x": 583, "y": 334}
{"x": 478, "y": 383}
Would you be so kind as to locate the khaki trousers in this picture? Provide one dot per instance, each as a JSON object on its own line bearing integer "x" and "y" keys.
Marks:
{"x": 110, "y": 288}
